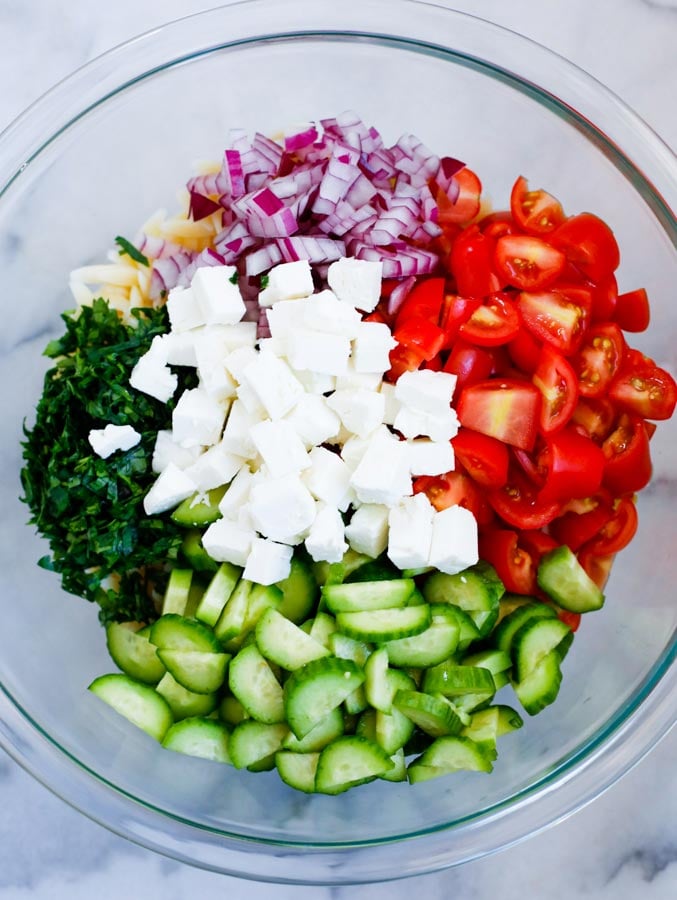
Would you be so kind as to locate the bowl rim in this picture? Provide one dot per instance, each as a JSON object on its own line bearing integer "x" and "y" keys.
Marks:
{"x": 643, "y": 719}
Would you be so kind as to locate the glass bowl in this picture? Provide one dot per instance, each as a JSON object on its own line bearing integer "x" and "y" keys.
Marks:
{"x": 112, "y": 143}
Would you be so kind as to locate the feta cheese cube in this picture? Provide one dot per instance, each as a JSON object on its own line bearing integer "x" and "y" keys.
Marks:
{"x": 454, "y": 544}
{"x": 226, "y": 541}
{"x": 382, "y": 475}
{"x": 167, "y": 451}
{"x": 353, "y": 450}
{"x": 366, "y": 381}
{"x": 281, "y": 449}
{"x": 237, "y": 433}
{"x": 287, "y": 282}
{"x": 328, "y": 478}
{"x": 105, "y": 441}
{"x": 214, "y": 468}
{"x": 410, "y": 531}
{"x": 210, "y": 358}
{"x": 313, "y": 421}
{"x": 318, "y": 351}
{"x": 371, "y": 347}
{"x": 184, "y": 310}
{"x": 250, "y": 400}
{"x": 274, "y": 383}
{"x": 368, "y": 529}
{"x": 268, "y": 562}
{"x": 361, "y": 411}
{"x": 392, "y": 404}
{"x": 316, "y": 382}
{"x": 169, "y": 489}
{"x": 239, "y": 334}
{"x": 282, "y": 508}
{"x": 326, "y": 539}
{"x": 356, "y": 281}
{"x": 152, "y": 376}
{"x": 324, "y": 312}
{"x": 286, "y": 316}
{"x": 425, "y": 390}
{"x": 217, "y": 296}
{"x": 197, "y": 419}
{"x": 439, "y": 426}
{"x": 428, "y": 457}
{"x": 179, "y": 349}
{"x": 238, "y": 360}
{"x": 236, "y": 497}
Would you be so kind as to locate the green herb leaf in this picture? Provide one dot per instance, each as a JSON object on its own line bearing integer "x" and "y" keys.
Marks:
{"x": 234, "y": 278}
{"x": 264, "y": 281}
{"x": 130, "y": 250}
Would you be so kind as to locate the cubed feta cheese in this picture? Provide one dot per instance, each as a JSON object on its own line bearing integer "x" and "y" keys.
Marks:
{"x": 226, "y": 541}
{"x": 353, "y": 450}
{"x": 356, "y": 281}
{"x": 238, "y": 360}
{"x": 382, "y": 475}
{"x": 214, "y": 468}
{"x": 180, "y": 348}
{"x": 282, "y": 508}
{"x": 428, "y": 457}
{"x": 324, "y": 312}
{"x": 328, "y": 478}
{"x": 218, "y": 297}
{"x": 368, "y": 529}
{"x": 425, "y": 390}
{"x": 197, "y": 419}
{"x": 316, "y": 382}
{"x": 169, "y": 489}
{"x": 318, "y": 351}
{"x": 361, "y": 411}
{"x": 151, "y": 376}
{"x": 281, "y": 449}
{"x": 371, "y": 347}
{"x": 210, "y": 358}
{"x": 105, "y": 441}
{"x": 313, "y": 421}
{"x": 250, "y": 400}
{"x": 439, "y": 426}
{"x": 353, "y": 380}
{"x": 287, "y": 282}
{"x": 268, "y": 562}
{"x": 236, "y": 497}
{"x": 286, "y": 316}
{"x": 167, "y": 451}
{"x": 326, "y": 539}
{"x": 237, "y": 433}
{"x": 184, "y": 310}
{"x": 410, "y": 530}
{"x": 454, "y": 544}
{"x": 274, "y": 383}
{"x": 392, "y": 404}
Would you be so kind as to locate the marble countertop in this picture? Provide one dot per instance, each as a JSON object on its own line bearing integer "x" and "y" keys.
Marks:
{"x": 624, "y": 844}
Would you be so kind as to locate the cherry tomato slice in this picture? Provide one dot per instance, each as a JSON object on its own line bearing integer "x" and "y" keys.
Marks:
{"x": 558, "y": 317}
{"x": 455, "y": 311}
{"x": 496, "y": 224}
{"x": 556, "y": 380}
{"x": 576, "y": 529}
{"x": 598, "y": 359}
{"x": 574, "y": 466}
{"x": 537, "y": 543}
{"x": 424, "y": 301}
{"x": 471, "y": 263}
{"x": 493, "y": 323}
{"x": 537, "y": 212}
{"x": 589, "y": 244}
{"x": 645, "y": 390}
{"x": 484, "y": 458}
{"x": 469, "y": 364}
{"x": 505, "y": 409}
{"x": 617, "y": 531}
{"x": 597, "y": 567}
{"x": 517, "y": 503}
{"x": 527, "y": 262}
{"x": 604, "y": 300}
{"x": 628, "y": 457}
{"x": 403, "y": 359}
{"x": 632, "y": 311}
{"x": 420, "y": 335}
{"x": 525, "y": 351}
{"x": 514, "y": 566}
{"x": 467, "y": 204}
{"x": 594, "y": 417}
{"x": 455, "y": 489}
{"x": 572, "y": 619}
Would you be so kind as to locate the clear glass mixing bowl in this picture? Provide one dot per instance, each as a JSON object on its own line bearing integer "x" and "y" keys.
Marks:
{"x": 104, "y": 149}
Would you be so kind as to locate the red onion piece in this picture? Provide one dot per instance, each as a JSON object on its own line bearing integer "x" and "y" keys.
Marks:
{"x": 399, "y": 294}
{"x": 166, "y": 273}
{"x": 200, "y": 206}
{"x": 262, "y": 259}
{"x": 316, "y": 249}
{"x": 301, "y": 139}
{"x": 156, "y": 247}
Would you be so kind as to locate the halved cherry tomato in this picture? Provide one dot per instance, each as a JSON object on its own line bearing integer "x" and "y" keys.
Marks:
{"x": 424, "y": 301}
{"x": 535, "y": 211}
{"x": 403, "y": 359}
{"x": 498, "y": 223}
{"x": 525, "y": 351}
{"x": 506, "y": 409}
{"x": 455, "y": 311}
{"x": 632, "y": 310}
{"x": 527, "y": 262}
{"x": 469, "y": 364}
{"x": 572, "y": 619}
{"x": 604, "y": 299}
{"x": 576, "y": 529}
{"x": 594, "y": 417}
{"x": 645, "y": 390}
{"x": 598, "y": 359}
{"x": 558, "y": 317}
{"x": 484, "y": 458}
{"x": 573, "y": 466}
{"x": 589, "y": 244}
{"x": 628, "y": 458}
{"x": 556, "y": 381}
{"x": 421, "y": 335}
{"x": 493, "y": 323}
{"x": 537, "y": 543}
{"x": 517, "y": 503}
{"x": 514, "y": 566}
{"x": 471, "y": 263}
{"x": 617, "y": 531}
{"x": 597, "y": 567}
{"x": 455, "y": 489}
{"x": 529, "y": 466}
{"x": 467, "y": 204}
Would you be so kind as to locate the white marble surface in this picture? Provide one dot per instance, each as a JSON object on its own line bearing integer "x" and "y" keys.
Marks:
{"x": 624, "y": 845}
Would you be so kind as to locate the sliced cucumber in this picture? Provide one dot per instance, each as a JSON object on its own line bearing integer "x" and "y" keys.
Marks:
{"x": 336, "y": 573}
{"x": 255, "y": 743}
{"x": 175, "y": 632}
{"x": 564, "y": 579}
{"x": 253, "y": 682}
{"x": 195, "y": 554}
{"x": 297, "y": 769}
{"x": 541, "y": 686}
{"x": 133, "y": 653}
{"x": 394, "y": 729}
{"x": 378, "y": 688}
{"x": 200, "y": 509}
{"x": 349, "y": 761}
{"x": 261, "y": 598}
{"x": 348, "y": 648}
{"x": 326, "y": 731}
{"x": 312, "y": 692}
{"x": 432, "y": 646}
{"x": 380, "y": 569}
{"x": 202, "y": 737}
{"x": 230, "y": 623}
{"x": 217, "y": 594}
{"x": 510, "y": 625}
{"x": 399, "y": 768}
{"x": 231, "y": 711}
{"x": 300, "y": 591}
{"x": 202, "y": 673}
{"x": 322, "y": 628}
{"x": 137, "y": 702}
{"x": 454, "y": 680}
{"x": 177, "y": 592}
{"x": 477, "y": 590}
{"x": 534, "y": 640}
{"x": 454, "y": 754}
{"x": 284, "y": 643}
{"x": 432, "y": 714}
{"x": 381, "y": 625}
{"x": 185, "y": 703}
{"x": 368, "y": 595}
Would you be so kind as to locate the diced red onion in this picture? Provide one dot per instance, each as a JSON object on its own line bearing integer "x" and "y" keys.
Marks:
{"x": 399, "y": 294}
{"x": 156, "y": 247}
{"x": 314, "y": 249}
{"x": 270, "y": 151}
{"x": 301, "y": 139}
{"x": 262, "y": 259}
{"x": 232, "y": 167}
{"x": 345, "y": 217}
{"x": 262, "y": 326}
{"x": 201, "y": 207}
{"x": 167, "y": 271}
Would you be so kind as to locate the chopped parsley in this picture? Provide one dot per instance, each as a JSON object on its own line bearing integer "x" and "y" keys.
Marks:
{"x": 264, "y": 281}
{"x": 234, "y": 278}
{"x": 102, "y": 543}
{"x": 130, "y": 250}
